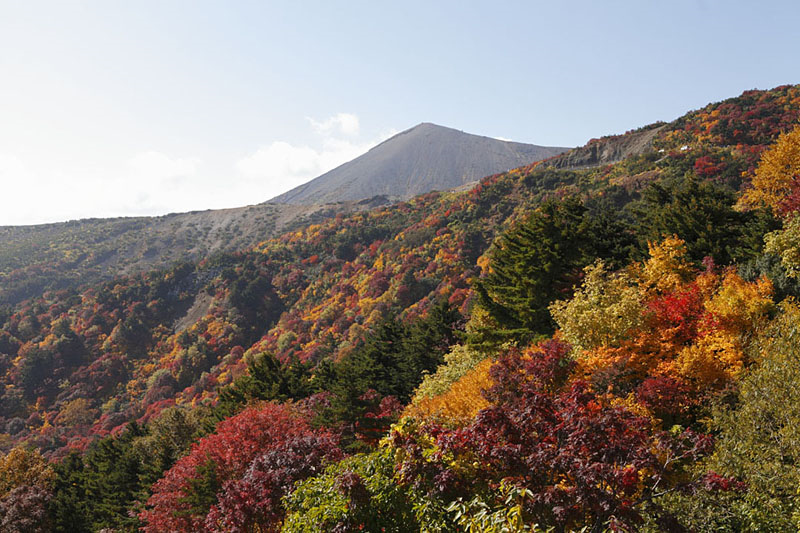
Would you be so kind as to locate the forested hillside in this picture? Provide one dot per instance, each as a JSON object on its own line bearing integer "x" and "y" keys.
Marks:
{"x": 71, "y": 254}
{"x": 611, "y": 347}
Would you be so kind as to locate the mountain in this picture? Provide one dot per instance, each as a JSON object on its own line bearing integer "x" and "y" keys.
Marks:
{"x": 424, "y": 158}
{"x": 66, "y": 255}
{"x": 245, "y": 370}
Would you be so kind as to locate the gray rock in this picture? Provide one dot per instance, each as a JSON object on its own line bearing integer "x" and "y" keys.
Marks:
{"x": 424, "y": 158}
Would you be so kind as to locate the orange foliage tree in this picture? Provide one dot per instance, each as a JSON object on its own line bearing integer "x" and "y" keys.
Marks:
{"x": 460, "y": 403}
{"x": 693, "y": 328}
{"x": 775, "y": 183}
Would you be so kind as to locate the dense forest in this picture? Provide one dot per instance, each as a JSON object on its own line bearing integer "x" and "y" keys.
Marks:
{"x": 612, "y": 348}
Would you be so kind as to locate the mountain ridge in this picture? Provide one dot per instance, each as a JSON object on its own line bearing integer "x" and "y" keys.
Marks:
{"x": 421, "y": 159}
{"x": 60, "y": 255}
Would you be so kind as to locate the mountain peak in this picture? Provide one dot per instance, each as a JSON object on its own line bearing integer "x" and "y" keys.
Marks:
{"x": 421, "y": 159}
{"x": 423, "y": 125}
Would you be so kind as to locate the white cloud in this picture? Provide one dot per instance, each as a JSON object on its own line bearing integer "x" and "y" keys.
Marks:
{"x": 280, "y": 161}
{"x": 24, "y": 192}
{"x": 155, "y": 182}
{"x": 31, "y": 196}
{"x": 280, "y": 165}
{"x": 158, "y": 168}
{"x": 149, "y": 183}
{"x": 344, "y": 123}
{"x": 12, "y": 169}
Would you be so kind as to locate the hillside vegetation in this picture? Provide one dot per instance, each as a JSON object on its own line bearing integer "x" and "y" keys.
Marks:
{"x": 34, "y": 259}
{"x": 556, "y": 349}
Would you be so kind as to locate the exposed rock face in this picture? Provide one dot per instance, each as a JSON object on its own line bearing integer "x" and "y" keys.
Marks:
{"x": 424, "y": 158}
{"x": 606, "y": 150}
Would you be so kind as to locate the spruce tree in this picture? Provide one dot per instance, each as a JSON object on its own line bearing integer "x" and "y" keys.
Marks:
{"x": 532, "y": 264}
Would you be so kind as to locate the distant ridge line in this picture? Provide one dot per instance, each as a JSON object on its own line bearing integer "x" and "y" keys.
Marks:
{"x": 421, "y": 159}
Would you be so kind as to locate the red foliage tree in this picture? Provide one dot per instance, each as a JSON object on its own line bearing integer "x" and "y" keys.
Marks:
{"x": 584, "y": 463}
{"x": 253, "y": 503}
{"x": 245, "y": 453}
{"x": 24, "y": 510}
{"x": 668, "y": 398}
{"x": 707, "y": 166}
{"x": 677, "y": 314}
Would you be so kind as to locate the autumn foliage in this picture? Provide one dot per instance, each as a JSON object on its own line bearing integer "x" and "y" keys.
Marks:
{"x": 234, "y": 479}
{"x": 775, "y": 183}
{"x": 582, "y": 462}
{"x": 550, "y": 349}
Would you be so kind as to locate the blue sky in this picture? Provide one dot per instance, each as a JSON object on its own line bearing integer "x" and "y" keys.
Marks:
{"x": 149, "y": 107}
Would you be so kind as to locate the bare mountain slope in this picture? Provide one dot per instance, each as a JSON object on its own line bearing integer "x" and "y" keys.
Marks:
{"x": 424, "y": 158}
{"x": 607, "y": 150}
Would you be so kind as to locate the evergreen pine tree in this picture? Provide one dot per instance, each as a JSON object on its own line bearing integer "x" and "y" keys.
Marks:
{"x": 533, "y": 264}
{"x": 68, "y": 509}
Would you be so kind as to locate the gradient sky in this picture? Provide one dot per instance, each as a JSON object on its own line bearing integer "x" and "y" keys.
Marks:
{"x": 156, "y": 106}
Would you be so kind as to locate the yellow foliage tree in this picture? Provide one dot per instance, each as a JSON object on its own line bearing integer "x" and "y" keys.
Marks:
{"x": 735, "y": 314}
{"x": 651, "y": 347}
{"x": 458, "y": 405}
{"x": 459, "y": 361}
{"x": 602, "y": 312}
{"x": 77, "y": 412}
{"x": 738, "y": 306}
{"x": 712, "y": 361}
{"x": 785, "y": 244}
{"x": 668, "y": 266}
{"x": 638, "y": 356}
{"x": 24, "y": 467}
{"x": 699, "y": 336}
{"x": 776, "y": 174}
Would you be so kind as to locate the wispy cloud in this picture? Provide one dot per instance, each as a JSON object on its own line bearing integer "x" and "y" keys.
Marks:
{"x": 344, "y": 123}
{"x": 155, "y": 181}
{"x": 281, "y": 165}
{"x": 159, "y": 169}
